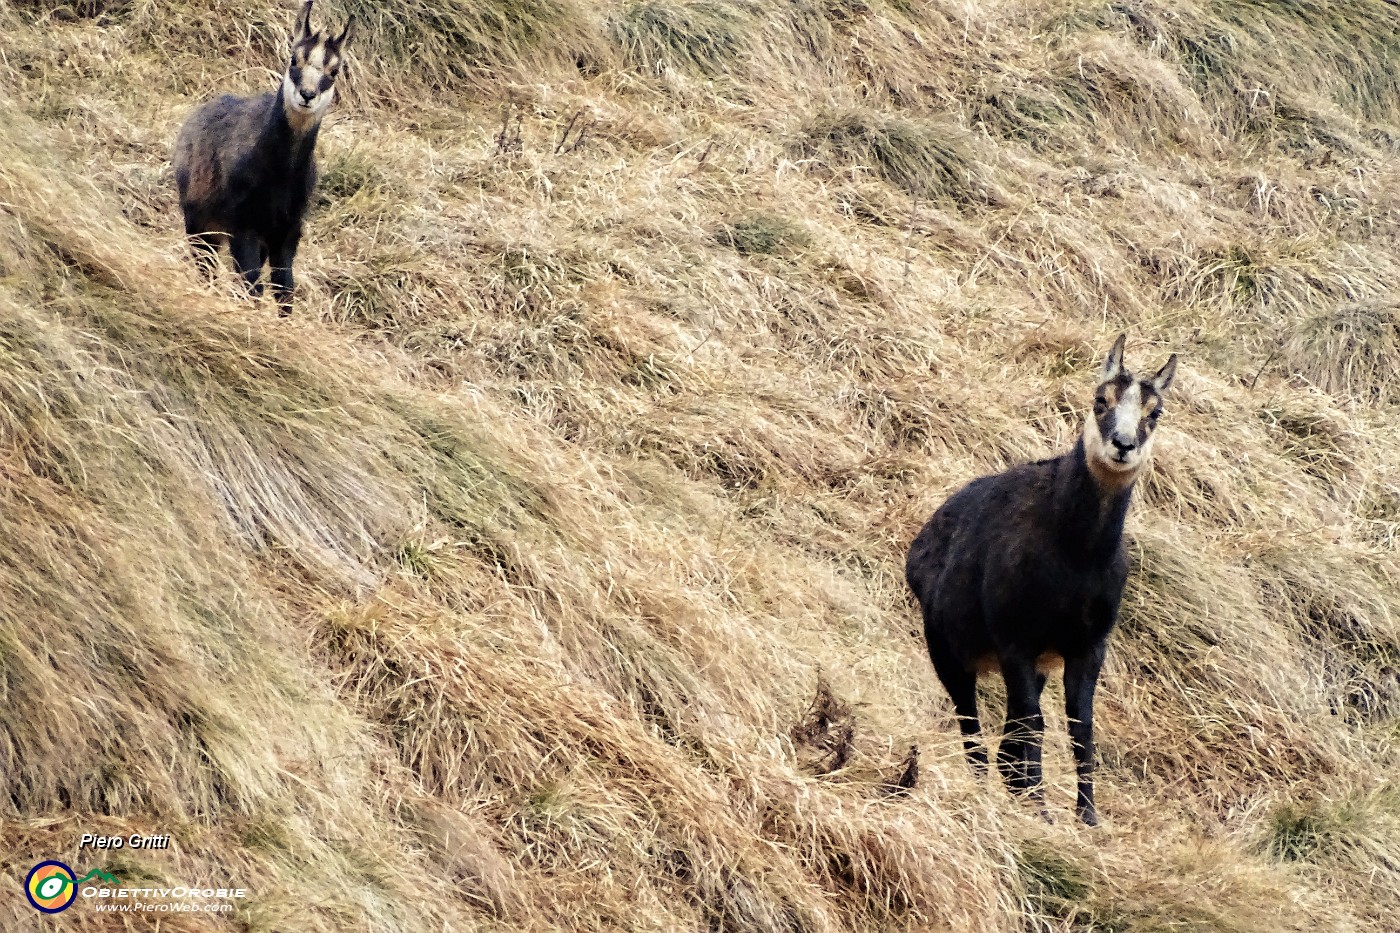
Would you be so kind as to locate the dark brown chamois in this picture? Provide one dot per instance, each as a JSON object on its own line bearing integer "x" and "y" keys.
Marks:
{"x": 245, "y": 166}
{"x": 1023, "y": 571}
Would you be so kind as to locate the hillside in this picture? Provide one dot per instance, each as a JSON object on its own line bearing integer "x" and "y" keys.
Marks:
{"x": 537, "y": 572}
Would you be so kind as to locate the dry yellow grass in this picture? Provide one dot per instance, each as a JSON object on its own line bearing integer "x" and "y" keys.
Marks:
{"x": 488, "y": 590}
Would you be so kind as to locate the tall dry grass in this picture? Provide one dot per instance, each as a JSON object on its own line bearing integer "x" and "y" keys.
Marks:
{"x": 493, "y": 590}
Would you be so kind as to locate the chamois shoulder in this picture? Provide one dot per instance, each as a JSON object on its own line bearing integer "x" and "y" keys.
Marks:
{"x": 226, "y": 124}
{"x": 231, "y": 113}
{"x": 960, "y": 527}
{"x": 1022, "y": 485}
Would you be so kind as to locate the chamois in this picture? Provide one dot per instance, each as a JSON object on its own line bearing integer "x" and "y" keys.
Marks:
{"x": 1023, "y": 571}
{"x": 245, "y": 166}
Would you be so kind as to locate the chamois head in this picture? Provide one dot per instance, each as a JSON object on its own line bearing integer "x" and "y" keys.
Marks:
{"x": 1118, "y": 436}
{"x": 308, "y": 87}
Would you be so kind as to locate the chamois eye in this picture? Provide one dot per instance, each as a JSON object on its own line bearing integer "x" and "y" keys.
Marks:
{"x": 1156, "y": 413}
{"x": 1100, "y": 405}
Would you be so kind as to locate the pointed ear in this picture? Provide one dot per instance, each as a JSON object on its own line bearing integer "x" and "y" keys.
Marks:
{"x": 303, "y": 26}
{"x": 1163, "y": 380}
{"x": 1113, "y": 363}
{"x": 346, "y": 34}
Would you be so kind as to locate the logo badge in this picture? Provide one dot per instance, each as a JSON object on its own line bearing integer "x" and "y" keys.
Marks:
{"x": 51, "y": 887}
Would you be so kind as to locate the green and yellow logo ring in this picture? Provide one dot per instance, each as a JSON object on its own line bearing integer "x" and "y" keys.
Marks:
{"x": 51, "y": 887}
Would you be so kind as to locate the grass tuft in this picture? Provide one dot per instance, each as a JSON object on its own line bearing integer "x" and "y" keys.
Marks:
{"x": 347, "y": 174}
{"x": 764, "y": 235}
{"x": 704, "y": 37}
{"x": 458, "y": 40}
{"x": 1296, "y": 833}
{"x": 1055, "y": 887}
{"x": 929, "y": 160}
{"x": 633, "y": 342}
{"x": 1352, "y": 351}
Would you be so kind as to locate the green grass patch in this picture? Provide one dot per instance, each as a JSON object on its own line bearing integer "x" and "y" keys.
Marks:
{"x": 928, "y": 159}
{"x": 1055, "y": 887}
{"x": 1299, "y": 832}
{"x": 349, "y": 172}
{"x": 75, "y": 10}
{"x": 701, "y": 37}
{"x": 761, "y": 234}
{"x": 266, "y": 833}
{"x": 1348, "y": 51}
{"x": 1028, "y": 112}
{"x": 379, "y": 293}
{"x": 463, "y": 38}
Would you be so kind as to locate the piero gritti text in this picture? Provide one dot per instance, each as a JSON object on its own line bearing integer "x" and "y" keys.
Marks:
{"x": 134, "y": 841}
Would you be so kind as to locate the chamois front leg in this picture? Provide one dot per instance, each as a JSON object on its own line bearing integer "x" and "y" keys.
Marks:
{"x": 248, "y": 258}
{"x": 281, "y": 256}
{"x": 1018, "y": 758}
{"x": 1081, "y": 677}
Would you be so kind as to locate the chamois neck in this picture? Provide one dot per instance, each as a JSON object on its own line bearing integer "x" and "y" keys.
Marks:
{"x": 1091, "y": 510}
{"x": 295, "y": 132}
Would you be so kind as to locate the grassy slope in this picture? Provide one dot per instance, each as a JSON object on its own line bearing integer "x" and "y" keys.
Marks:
{"x": 488, "y": 591}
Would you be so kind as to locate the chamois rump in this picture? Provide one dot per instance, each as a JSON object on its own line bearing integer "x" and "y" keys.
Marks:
{"x": 1023, "y": 571}
{"x": 245, "y": 166}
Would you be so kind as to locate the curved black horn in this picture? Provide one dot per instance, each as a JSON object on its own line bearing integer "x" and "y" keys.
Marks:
{"x": 347, "y": 33}
{"x": 303, "y": 26}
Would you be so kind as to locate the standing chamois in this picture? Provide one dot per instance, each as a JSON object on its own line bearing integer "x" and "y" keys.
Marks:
{"x": 245, "y": 166}
{"x": 1023, "y": 571}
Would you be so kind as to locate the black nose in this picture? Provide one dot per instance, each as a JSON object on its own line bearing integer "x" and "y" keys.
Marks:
{"x": 1122, "y": 446}
{"x": 308, "y": 96}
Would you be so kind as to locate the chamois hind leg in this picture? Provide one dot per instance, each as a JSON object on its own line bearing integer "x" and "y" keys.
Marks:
{"x": 248, "y": 258}
{"x": 204, "y": 246}
{"x": 1081, "y": 677}
{"x": 281, "y": 256}
{"x": 205, "y": 249}
{"x": 961, "y": 685}
{"x": 1018, "y": 757}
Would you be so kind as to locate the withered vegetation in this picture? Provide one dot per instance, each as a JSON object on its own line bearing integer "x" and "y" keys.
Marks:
{"x": 485, "y": 593}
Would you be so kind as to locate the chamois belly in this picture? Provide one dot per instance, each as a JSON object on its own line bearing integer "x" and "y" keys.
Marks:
{"x": 1047, "y": 662}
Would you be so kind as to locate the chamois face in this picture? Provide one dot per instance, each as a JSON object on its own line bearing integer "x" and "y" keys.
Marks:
{"x": 1118, "y": 436}
{"x": 308, "y": 87}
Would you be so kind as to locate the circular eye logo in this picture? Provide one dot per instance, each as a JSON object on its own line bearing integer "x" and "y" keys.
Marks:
{"x": 51, "y": 887}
